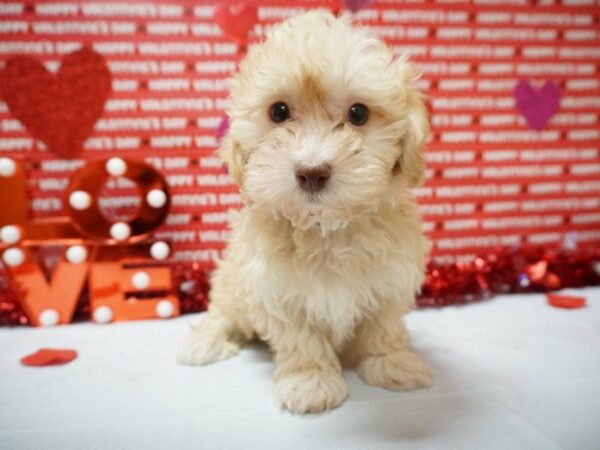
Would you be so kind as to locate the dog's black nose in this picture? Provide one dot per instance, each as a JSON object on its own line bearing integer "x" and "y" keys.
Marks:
{"x": 313, "y": 179}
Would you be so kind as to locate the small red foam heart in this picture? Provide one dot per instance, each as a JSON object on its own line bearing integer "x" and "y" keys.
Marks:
{"x": 49, "y": 357}
{"x": 565, "y": 301}
{"x": 59, "y": 109}
{"x": 236, "y": 20}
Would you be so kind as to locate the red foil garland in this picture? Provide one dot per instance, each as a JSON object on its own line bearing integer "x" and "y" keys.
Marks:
{"x": 506, "y": 271}
{"x": 500, "y": 272}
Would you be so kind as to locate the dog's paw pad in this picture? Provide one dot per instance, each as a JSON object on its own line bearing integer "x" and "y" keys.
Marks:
{"x": 311, "y": 391}
{"x": 404, "y": 371}
{"x": 195, "y": 351}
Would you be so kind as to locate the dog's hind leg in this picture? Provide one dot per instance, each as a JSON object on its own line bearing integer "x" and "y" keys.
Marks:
{"x": 223, "y": 331}
{"x": 214, "y": 339}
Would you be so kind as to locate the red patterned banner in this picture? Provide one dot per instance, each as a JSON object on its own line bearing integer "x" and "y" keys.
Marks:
{"x": 514, "y": 89}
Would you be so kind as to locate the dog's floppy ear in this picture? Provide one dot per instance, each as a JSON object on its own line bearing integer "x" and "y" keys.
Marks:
{"x": 231, "y": 155}
{"x": 411, "y": 163}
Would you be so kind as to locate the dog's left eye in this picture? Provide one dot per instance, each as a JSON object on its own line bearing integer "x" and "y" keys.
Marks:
{"x": 358, "y": 114}
{"x": 279, "y": 112}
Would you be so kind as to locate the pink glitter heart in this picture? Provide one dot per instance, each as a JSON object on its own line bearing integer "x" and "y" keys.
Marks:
{"x": 537, "y": 105}
{"x": 355, "y": 5}
{"x": 222, "y": 128}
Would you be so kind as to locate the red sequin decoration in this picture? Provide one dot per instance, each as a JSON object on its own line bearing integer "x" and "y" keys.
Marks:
{"x": 501, "y": 272}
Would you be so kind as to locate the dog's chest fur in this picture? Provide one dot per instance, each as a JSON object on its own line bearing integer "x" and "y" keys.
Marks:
{"x": 333, "y": 282}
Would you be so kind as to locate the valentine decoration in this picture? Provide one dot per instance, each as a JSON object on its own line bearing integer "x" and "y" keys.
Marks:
{"x": 537, "y": 105}
{"x": 507, "y": 270}
{"x": 85, "y": 186}
{"x": 49, "y": 357}
{"x": 356, "y": 5}
{"x": 236, "y": 20}
{"x": 121, "y": 270}
{"x": 125, "y": 280}
{"x": 48, "y": 303}
{"x": 59, "y": 109}
{"x": 512, "y": 198}
{"x": 222, "y": 128}
{"x": 565, "y": 301}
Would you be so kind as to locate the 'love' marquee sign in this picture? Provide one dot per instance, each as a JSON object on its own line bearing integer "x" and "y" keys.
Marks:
{"x": 125, "y": 273}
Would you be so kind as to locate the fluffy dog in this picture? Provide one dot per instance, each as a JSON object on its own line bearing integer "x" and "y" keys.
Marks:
{"x": 326, "y": 136}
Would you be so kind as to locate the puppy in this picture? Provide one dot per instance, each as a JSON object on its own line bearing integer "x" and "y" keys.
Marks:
{"x": 326, "y": 136}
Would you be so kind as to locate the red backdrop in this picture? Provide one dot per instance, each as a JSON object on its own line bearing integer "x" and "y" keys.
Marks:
{"x": 492, "y": 180}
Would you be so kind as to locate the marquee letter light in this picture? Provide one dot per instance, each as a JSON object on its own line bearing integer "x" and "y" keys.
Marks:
{"x": 124, "y": 285}
{"x": 86, "y": 235}
{"x": 83, "y": 206}
{"x": 49, "y": 303}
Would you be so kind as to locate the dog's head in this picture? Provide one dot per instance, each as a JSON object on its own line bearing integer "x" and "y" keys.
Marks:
{"x": 325, "y": 123}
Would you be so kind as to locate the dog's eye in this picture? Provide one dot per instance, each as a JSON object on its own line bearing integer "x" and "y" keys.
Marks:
{"x": 279, "y": 112}
{"x": 358, "y": 114}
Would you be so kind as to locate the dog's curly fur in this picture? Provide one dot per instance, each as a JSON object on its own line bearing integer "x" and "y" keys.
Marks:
{"x": 324, "y": 279}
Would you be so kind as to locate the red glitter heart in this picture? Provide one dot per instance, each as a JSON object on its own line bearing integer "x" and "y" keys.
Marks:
{"x": 59, "y": 109}
{"x": 236, "y": 20}
{"x": 49, "y": 357}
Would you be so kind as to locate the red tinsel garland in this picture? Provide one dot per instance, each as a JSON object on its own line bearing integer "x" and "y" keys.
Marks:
{"x": 503, "y": 271}
{"x": 510, "y": 270}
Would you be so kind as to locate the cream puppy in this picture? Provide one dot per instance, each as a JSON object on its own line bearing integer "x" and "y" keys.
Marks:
{"x": 326, "y": 136}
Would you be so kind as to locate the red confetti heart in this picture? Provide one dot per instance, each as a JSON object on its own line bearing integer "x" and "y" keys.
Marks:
{"x": 49, "y": 357}
{"x": 59, "y": 109}
{"x": 565, "y": 301}
{"x": 236, "y": 20}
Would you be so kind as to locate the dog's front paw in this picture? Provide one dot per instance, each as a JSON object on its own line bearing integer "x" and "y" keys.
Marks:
{"x": 197, "y": 350}
{"x": 311, "y": 391}
{"x": 402, "y": 371}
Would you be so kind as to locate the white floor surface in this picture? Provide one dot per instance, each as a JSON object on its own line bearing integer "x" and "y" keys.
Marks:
{"x": 512, "y": 373}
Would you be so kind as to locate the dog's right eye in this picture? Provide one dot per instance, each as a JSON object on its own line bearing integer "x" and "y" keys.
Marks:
{"x": 279, "y": 112}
